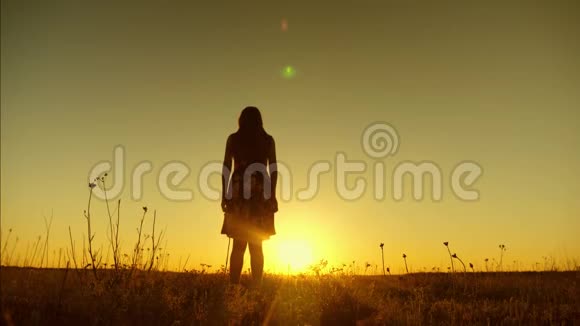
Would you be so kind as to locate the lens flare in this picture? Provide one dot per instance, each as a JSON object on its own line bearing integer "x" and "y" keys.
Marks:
{"x": 288, "y": 72}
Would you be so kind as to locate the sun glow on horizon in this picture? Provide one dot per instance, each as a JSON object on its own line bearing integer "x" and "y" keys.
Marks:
{"x": 295, "y": 255}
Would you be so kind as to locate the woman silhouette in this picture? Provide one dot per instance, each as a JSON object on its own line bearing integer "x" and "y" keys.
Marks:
{"x": 249, "y": 192}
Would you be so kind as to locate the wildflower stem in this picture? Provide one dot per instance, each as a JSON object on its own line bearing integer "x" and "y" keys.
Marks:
{"x": 153, "y": 246}
{"x": 138, "y": 245}
{"x": 72, "y": 246}
{"x": 461, "y": 261}
{"x": 227, "y": 255}
{"x": 6, "y": 243}
{"x": 451, "y": 258}
{"x": 90, "y": 235}
{"x": 113, "y": 238}
{"x": 383, "y": 258}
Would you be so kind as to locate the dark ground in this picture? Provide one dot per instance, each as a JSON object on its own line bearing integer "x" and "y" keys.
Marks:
{"x": 74, "y": 297}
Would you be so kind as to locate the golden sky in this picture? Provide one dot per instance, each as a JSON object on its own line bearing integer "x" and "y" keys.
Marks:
{"x": 496, "y": 84}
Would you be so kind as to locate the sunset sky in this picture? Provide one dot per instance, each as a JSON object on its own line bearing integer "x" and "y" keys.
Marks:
{"x": 493, "y": 84}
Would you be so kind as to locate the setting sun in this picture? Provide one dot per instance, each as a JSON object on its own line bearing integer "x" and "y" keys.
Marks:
{"x": 294, "y": 255}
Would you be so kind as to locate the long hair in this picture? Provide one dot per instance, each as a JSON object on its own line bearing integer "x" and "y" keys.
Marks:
{"x": 252, "y": 139}
{"x": 250, "y": 122}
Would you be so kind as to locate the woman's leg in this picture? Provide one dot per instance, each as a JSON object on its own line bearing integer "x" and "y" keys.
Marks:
{"x": 257, "y": 259}
{"x": 237, "y": 260}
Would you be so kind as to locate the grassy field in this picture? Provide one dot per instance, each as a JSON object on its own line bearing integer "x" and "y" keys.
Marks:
{"x": 58, "y": 296}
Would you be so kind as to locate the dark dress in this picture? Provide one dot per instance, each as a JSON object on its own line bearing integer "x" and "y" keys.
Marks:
{"x": 249, "y": 214}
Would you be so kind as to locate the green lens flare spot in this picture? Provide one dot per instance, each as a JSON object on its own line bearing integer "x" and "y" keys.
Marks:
{"x": 288, "y": 72}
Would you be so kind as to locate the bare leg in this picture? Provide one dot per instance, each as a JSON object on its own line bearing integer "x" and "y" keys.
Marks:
{"x": 257, "y": 261}
{"x": 237, "y": 260}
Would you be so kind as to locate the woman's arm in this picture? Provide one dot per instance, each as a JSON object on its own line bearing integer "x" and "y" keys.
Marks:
{"x": 273, "y": 168}
{"x": 226, "y": 170}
